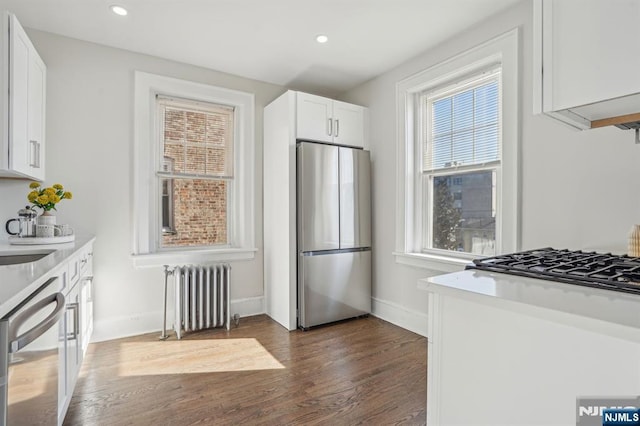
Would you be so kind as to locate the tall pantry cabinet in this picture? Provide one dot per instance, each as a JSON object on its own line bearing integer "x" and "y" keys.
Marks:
{"x": 291, "y": 117}
{"x": 22, "y": 103}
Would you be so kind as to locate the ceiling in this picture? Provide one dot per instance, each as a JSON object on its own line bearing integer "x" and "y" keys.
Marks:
{"x": 268, "y": 40}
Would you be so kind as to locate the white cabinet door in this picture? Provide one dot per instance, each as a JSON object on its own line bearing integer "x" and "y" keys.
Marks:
{"x": 20, "y": 153}
{"x": 72, "y": 352}
{"x": 25, "y": 129}
{"x": 348, "y": 122}
{"x": 36, "y": 117}
{"x": 314, "y": 121}
{"x": 584, "y": 57}
{"x": 86, "y": 311}
{"x": 593, "y": 45}
{"x": 86, "y": 298}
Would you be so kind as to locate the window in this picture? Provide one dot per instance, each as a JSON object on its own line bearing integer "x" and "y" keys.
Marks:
{"x": 194, "y": 172}
{"x": 461, "y": 159}
{"x": 458, "y": 141}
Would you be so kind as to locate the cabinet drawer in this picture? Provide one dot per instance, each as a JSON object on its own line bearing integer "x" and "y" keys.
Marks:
{"x": 74, "y": 270}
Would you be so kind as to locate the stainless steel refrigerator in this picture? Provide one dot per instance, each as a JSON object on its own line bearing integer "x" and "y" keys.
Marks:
{"x": 334, "y": 233}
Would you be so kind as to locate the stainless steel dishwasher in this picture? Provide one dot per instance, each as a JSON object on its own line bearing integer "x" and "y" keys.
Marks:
{"x": 30, "y": 351}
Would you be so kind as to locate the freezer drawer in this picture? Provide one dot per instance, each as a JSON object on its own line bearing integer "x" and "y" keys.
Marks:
{"x": 332, "y": 287}
{"x": 355, "y": 198}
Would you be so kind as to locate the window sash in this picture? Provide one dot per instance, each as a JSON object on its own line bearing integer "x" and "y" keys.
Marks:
{"x": 474, "y": 130}
{"x": 191, "y": 148}
{"x": 427, "y": 182}
{"x": 229, "y": 207}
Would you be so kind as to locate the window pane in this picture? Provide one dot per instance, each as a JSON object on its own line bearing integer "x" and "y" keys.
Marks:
{"x": 195, "y": 159}
{"x": 174, "y": 123}
{"x": 442, "y": 116}
{"x": 486, "y": 146}
{"x": 215, "y": 160}
{"x": 463, "y": 111}
{"x": 195, "y": 131}
{"x": 199, "y": 213}
{"x": 442, "y": 151}
{"x": 462, "y": 148}
{"x": 463, "y": 212}
{"x": 173, "y": 153}
{"x": 486, "y": 104}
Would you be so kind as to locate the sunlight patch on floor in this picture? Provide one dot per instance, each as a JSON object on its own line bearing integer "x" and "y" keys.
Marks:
{"x": 194, "y": 356}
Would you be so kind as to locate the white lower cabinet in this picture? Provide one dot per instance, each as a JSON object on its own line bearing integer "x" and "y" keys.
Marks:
{"x": 77, "y": 324}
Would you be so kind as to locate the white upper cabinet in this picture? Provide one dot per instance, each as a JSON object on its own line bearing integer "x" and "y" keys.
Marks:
{"x": 348, "y": 124}
{"x": 22, "y": 114}
{"x": 586, "y": 61}
{"x": 325, "y": 120}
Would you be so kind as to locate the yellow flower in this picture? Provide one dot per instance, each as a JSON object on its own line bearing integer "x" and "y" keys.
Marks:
{"x": 47, "y": 197}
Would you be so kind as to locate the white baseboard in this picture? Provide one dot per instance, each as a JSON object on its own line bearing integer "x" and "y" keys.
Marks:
{"x": 130, "y": 325}
{"x": 248, "y": 307}
{"x": 149, "y": 322}
{"x": 395, "y": 314}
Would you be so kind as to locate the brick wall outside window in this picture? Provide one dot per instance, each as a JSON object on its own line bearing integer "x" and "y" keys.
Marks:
{"x": 198, "y": 142}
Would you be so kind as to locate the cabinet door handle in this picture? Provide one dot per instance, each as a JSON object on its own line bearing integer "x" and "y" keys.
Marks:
{"x": 73, "y": 335}
{"x": 34, "y": 154}
{"x": 337, "y": 128}
{"x": 330, "y": 126}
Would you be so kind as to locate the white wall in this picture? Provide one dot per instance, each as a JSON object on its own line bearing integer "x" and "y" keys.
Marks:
{"x": 580, "y": 190}
{"x": 89, "y": 150}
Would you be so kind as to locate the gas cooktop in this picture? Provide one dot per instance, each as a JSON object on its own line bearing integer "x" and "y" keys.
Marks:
{"x": 591, "y": 269}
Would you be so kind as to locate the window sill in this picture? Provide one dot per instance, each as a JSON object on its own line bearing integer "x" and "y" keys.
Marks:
{"x": 432, "y": 262}
{"x": 192, "y": 257}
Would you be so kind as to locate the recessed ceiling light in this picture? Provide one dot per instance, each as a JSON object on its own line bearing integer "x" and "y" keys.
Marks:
{"x": 118, "y": 10}
{"x": 322, "y": 38}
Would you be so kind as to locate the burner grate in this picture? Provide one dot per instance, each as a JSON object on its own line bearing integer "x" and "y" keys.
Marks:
{"x": 591, "y": 269}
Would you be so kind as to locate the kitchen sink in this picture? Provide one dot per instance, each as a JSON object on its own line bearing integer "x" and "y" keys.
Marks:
{"x": 16, "y": 258}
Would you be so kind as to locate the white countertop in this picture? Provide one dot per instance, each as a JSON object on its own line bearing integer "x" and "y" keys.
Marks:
{"x": 19, "y": 281}
{"x": 609, "y": 312}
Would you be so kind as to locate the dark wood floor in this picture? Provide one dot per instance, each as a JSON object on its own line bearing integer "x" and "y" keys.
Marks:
{"x": 363, "y": 371}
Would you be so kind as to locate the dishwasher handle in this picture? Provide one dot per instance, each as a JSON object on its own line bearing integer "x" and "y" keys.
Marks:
{"x": 19, "y": 342}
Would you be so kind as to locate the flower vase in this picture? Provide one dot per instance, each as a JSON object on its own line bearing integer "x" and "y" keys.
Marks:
{"x": 634, "y": 241}
{"x": 47, "y": 218}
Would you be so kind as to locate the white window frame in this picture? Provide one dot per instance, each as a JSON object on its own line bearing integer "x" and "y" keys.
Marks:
{"x": 410, "y": 194}
{"x": 146, "y": 232}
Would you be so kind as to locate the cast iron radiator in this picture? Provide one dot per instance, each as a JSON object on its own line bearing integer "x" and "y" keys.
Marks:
{"x": 202, "y": 297}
